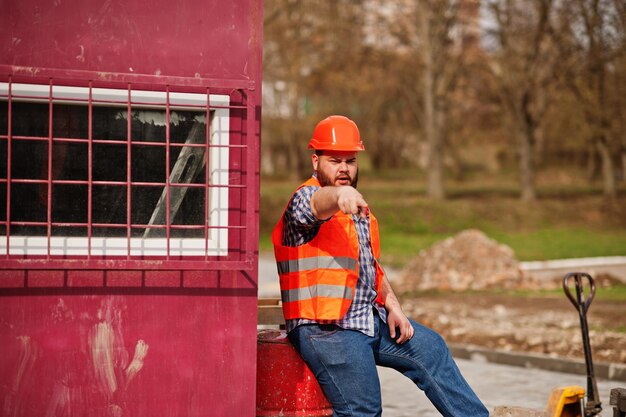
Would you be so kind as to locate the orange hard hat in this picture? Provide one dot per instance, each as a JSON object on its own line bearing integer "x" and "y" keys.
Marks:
{"x": 336, "y": 133}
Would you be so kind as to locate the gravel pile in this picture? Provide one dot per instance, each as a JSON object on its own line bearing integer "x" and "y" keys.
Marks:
{"x": 469, "y": 260}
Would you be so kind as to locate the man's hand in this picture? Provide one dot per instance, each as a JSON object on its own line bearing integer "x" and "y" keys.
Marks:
{"x": 327, "y": 200}
{"x": 350, "y": 201}
{"x": 397, "y": 320}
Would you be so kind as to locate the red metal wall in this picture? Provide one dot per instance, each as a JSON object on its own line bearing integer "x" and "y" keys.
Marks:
{"x": 188, "y": 38}
{"x": 133, "y": 337}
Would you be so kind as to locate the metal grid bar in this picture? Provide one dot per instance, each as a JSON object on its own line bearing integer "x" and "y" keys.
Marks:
{"x": 89, "y": 169}
{"x": 168, "y": 221}
{"x": 128, "y": 173}
{"x": 49, "y": 196}
{"x": 9, "y": 168}
{"x": 121, "y": 142}
{"x": 130, "y": 261}
{"x": 250, "y": 173}
{"x": 120, "y": 225}
{"x": 207, "y": 140}
{"x": 135, "y": 183}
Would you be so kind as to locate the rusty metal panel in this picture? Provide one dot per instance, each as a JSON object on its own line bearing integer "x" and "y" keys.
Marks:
{"x": 87, "y": 332}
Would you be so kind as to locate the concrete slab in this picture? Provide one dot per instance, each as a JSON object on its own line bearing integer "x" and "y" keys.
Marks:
{"x": 557, "y": 268}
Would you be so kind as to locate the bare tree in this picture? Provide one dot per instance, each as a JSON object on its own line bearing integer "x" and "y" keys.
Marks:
{"x": 592, "y": 36}
{"x": 438, "y": 18}
{"x": 523, "y": 66}
{"x": 429, "y": 29}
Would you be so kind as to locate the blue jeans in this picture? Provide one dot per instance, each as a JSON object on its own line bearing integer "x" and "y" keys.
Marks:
{"x": 344, "y": 362}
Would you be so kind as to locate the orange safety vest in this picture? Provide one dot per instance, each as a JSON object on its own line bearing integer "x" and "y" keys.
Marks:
{"x": 318, "y": 279}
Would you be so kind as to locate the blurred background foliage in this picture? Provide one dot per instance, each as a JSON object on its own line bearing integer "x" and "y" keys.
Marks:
{"x": 503, "y": 115}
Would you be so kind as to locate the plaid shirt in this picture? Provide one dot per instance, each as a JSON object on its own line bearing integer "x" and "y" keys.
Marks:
{"x": 300, "y": 226}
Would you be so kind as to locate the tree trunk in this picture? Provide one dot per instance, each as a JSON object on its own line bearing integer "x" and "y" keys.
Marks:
{"x": 526, "y": 165}
{"x": 527, "y": 126}
{"x": 592, "y": 162}
{"x": 608, "y": 170}
{"x": 623, "y": 155}
{"x": 435, "y": 165}
{"x": 432, "y": 129}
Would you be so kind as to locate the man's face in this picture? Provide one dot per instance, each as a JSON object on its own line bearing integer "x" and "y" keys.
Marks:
{"x": 336, "y": 168}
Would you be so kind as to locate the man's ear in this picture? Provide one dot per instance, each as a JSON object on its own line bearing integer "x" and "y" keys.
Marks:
{"x": 315, "y": 160}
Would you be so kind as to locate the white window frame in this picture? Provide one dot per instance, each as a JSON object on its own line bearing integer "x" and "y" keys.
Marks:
{"x": 118, "y": 246}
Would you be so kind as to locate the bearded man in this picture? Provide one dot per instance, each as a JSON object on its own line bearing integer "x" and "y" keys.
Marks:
{"x": 341, "y": 313}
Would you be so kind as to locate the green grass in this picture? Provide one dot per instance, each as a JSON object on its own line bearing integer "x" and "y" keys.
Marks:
{"x": 565, "y": 221}
{"x": 614, "y": 293}
{"x": 620, "y": 329}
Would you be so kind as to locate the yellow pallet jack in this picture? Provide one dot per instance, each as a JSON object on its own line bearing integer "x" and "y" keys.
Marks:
{"x": 570, "y": 401}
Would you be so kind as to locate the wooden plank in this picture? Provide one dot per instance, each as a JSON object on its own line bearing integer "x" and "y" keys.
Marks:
{"x": 270, "y": 312}
{"x": 269, "y": 302}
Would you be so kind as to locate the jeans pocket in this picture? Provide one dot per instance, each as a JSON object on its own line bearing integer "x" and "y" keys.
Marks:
{"x": 322, "y": 331}
{"x": 331, "y": 345}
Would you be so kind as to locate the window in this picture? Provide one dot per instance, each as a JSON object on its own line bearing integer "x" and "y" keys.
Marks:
{"x": 112, "y": 172}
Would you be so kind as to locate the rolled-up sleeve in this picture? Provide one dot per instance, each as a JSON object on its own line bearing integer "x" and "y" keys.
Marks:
{"x": 300, "y": 225}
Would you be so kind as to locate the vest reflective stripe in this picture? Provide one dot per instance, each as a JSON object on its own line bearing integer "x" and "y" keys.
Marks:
{"x": 314, "y": 291}
{"x": 325, "y": 262}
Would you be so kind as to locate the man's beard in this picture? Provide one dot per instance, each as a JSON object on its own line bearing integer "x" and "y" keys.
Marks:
{"x": 326, "y": 180}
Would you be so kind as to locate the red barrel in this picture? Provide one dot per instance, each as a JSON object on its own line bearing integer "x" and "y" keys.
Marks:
{"x": 285, "y": 386}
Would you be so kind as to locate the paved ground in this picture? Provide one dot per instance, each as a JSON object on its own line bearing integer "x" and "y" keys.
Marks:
{"x": 495, "y": 384}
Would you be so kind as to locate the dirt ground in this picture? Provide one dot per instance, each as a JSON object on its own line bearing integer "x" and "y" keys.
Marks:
{"x": 472, "y": 290}
{"x": 541, "y": 324}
